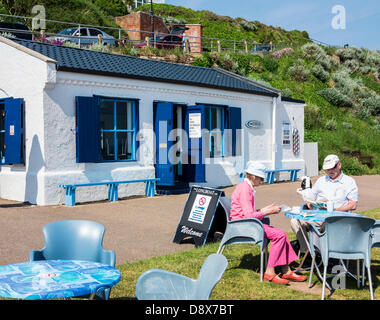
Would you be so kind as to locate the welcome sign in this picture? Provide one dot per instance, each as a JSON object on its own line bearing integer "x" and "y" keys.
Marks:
{"x": 198, "y": 214}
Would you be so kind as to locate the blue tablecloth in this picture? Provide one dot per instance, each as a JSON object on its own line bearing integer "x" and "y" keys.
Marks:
{"x": 316, "y": 215}
{"x": 50, "y": 279}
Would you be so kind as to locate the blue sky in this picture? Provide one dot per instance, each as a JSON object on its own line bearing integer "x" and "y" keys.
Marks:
{"x": 362, "y": 17}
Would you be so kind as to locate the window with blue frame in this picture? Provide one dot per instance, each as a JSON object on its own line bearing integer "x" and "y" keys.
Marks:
{"x": 117, "y": 130}
{"x": 214, "y": 123}
{"x": 106, "y": 129}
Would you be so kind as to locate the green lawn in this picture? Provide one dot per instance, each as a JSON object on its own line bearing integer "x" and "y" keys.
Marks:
{"x": 241, "y": 281}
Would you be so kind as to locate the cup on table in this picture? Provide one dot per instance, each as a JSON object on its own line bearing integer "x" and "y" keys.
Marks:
{"x": 330, "y": 206}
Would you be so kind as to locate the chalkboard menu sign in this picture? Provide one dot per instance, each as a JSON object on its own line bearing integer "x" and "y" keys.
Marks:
{"x": 198, "y": 214}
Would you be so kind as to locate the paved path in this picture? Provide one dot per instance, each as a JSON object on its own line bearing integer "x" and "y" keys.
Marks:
{"x": 139, "y": 227}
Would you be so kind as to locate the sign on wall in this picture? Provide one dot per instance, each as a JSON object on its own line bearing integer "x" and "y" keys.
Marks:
{"x": 253, "y": 124}
{"x": 198, "y": 214}
{"x": 286, "y": 133}
{"x": 195, "y": 129}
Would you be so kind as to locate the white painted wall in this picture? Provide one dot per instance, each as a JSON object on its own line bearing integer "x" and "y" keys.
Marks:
{"x": 24, "y": 76}
{"x": 50, "y": 130}
{"x": 285, "y": 158}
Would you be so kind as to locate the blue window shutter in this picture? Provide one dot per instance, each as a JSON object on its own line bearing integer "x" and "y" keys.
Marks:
{"x": 14, "y": 131}
{"x": 164, "y": 168}
{"x": 234, "y": 123}
{"x": 196, "y": 169}
{"x": 137, "y": 128}
{"x": 87, "y": 129}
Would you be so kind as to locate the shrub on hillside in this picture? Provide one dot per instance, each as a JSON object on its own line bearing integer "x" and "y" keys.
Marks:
{"x": 247, "y": 25}
{"x": 334, "y": 61}
{"x": 350, "y": 53}
{"x": 270, "y": 64}
{"x": 320, "y": 73}
{"x": 362, "y": 60}
{"x": 312, "y": 116}
{"x": 100, "y": 47}
{"x": 243, "y": 63}
{"x": 286, "y": 93}
{"x": 312, "y": 51}
{"x": 352, "y": 65}
{"x": 282, "y": 52}
{"x": 331, "y": 125}
{"x": 205, "y": 60}
{"x": 299, "y": 72}
{"x": 336, "y": 98}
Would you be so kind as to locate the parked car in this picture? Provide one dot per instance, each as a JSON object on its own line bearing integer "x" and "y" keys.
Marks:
{"x": 11, "y": 28}
{"x": 86, "y": 36}
{"x": 264, "y": 49}
{"x": 178, "y": 30}
{"x": 163, "y": 42}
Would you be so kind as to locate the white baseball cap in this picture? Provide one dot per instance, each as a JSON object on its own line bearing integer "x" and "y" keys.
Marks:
{"x": 256, "y": 168}
{"x": 330, "y": 162}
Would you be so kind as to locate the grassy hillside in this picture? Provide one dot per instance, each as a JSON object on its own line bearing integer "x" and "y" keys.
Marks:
{"x": 341, "y": 87}
{"x": 224, "y": 27}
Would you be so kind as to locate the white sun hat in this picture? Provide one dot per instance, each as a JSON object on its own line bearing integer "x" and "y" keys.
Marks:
{"x": 330, "y": 162}
{"x": 256, "y": 168}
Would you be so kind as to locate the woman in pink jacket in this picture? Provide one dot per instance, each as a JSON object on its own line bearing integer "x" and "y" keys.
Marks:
{"x": 243, "y": 206}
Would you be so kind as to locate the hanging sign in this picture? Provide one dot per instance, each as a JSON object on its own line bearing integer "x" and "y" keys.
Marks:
{"x": 198, "y": 214}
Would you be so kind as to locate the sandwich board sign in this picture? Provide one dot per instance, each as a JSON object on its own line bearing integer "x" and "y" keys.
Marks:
{"x": 198, "y": 214}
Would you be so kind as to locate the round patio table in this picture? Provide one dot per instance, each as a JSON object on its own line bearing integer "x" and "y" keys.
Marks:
{"x": 51, "y": 279}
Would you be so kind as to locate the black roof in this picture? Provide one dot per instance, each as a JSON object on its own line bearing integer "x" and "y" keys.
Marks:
{"x": 288, "y": 99}
{"x": 100, "y": 63}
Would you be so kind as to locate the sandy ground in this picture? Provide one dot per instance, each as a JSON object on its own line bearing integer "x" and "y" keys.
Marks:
{"x": 139, "y": 227}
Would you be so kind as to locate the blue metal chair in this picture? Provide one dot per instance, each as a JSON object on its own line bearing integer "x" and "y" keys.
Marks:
{"x": 345, "y": 237}
{"x": 156, "y": 284}
{"x": 244, "y": 231}
{"x": 75, "y": 240}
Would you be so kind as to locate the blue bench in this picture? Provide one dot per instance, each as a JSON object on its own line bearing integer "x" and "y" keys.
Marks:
{"x": 270, "y": 174}
{"x": 150, "y": 185}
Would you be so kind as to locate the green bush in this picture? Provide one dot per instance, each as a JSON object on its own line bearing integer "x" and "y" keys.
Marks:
{"x": 336, "y": 98}
{"x": 299, "y": 72}
{"x": 312, "y": 117}
{"x": 205, "y": 60}
{"x": 331, "y": 125}
{"x": 270, "y": 64}
{"x": 352, "y": 166}
{"x": 286, "y": 93}
{"x": 243, "y": 63}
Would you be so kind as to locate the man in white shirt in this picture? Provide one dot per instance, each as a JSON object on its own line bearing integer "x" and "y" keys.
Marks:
{"x": 334, "y": 186}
